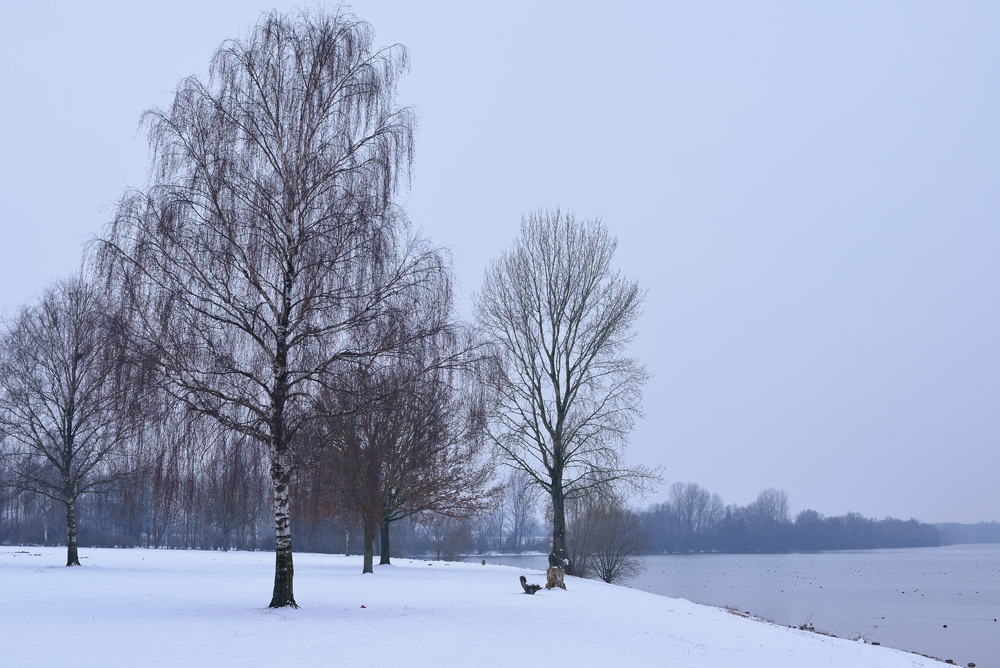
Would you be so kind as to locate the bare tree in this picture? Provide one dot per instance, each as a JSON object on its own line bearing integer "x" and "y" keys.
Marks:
{"x": 604, "y": 537}
{"x": 488, "y": 528}
{"x": 581, "y": 527}
{"x": 233, "y": 489}
{"x": 405, "y": 443}
{"x": 450, "y": 537}
{"x": 618, "y": 542}
{"x": 768, "y": 518}
{"x": 67, "y": 398}
{"x": 561, "y": 319}
{"x": 269, "y": 231}
{"x": 696, "y": 512}
{"x": 520, "y": 496}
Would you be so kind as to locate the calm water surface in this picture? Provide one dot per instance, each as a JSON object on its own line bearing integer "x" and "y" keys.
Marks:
{"x": 899, "y": 598}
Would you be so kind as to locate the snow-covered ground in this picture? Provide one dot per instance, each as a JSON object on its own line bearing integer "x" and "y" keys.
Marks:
{"x": 173, "y": 608}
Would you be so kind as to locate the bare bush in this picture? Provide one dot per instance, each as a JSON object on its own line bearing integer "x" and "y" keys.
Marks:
{"x": 450, "y": 538}
{"x": 606, "y": 538}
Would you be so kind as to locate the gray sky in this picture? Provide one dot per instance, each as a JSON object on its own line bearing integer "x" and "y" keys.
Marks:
{"x": 809, "y": 191}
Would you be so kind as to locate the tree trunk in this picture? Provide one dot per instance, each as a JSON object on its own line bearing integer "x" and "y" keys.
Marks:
{"x": 383, "y": 543}
{"x": 555, "y": 577}
{"x": 559, "y": 525}
{"x": 369, "y": 530}
{"x": 281, "y": 473}
{"x": 283, "y": 571}
{"x": 72, "y": 558}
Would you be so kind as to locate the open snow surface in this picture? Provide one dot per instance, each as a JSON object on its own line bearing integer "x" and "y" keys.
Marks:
{"x": 186, "y": 608}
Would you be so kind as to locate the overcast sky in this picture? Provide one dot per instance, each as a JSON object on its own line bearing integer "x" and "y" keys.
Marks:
{"x": 810, "y": 192}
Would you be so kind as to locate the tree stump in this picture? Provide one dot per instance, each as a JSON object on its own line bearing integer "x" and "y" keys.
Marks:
{"x": 529, "y": 588}
{"x": 555, "y": 577}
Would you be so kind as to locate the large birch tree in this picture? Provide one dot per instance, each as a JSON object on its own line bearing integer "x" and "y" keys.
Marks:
{"x": 269, "y": 232}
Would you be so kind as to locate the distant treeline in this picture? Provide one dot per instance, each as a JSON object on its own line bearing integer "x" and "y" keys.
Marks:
{"x": 954, "y": 534}
{"x": 695, "y": 520}
{"x": 189, "y": 496}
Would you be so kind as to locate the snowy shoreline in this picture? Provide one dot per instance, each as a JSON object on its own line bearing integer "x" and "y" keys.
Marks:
{"x": 164, "y": 607}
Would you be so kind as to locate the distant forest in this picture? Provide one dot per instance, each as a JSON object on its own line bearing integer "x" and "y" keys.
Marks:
{"x": 955, "y": 534}
{"x": 198, "y": 506}
{"x": 695, "y": 520}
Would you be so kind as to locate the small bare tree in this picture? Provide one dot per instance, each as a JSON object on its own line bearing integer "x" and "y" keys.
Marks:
{"x": 561, "y": 319}
{"x": 605, "y": 538}
{"x": 520, "y": 496}
{"x": 768, "y": 519}
{"x": 405, "y": 443}
{"x": 695, "y": 514}
{"x": 580, "y": 529}
{"x": 488, "y": 527}
{"x": 619, "y": 540}
{"x": 68, "y": 398}
{"x": 450, "y": 537}
{"x": 269, "y": 232}
{"x": 233, "y": 491}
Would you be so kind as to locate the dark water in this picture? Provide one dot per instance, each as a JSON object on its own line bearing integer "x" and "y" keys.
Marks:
{"x": 899, "y": 598}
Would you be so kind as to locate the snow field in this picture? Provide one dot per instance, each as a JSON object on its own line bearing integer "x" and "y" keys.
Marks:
{"x": 184, "y": 608}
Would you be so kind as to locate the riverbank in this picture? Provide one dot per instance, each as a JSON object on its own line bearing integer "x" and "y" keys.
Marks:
{"x": 937, "y": 601}
{"x": 168, "y": 608}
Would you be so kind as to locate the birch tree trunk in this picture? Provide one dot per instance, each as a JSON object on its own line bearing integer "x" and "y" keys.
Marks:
{"x": 72, "y": 557}
{"x": 283, "y": 570}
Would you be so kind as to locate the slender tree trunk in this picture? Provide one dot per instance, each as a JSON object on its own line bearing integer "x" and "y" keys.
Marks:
{"x": 283, "y": 571}
{"x": 369, "y": 530}
{"x": 383, "y": 543}
{"x": 72, "y": 558}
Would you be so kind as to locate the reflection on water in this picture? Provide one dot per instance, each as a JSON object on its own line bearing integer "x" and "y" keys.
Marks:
{"x": 939, "y": 601}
